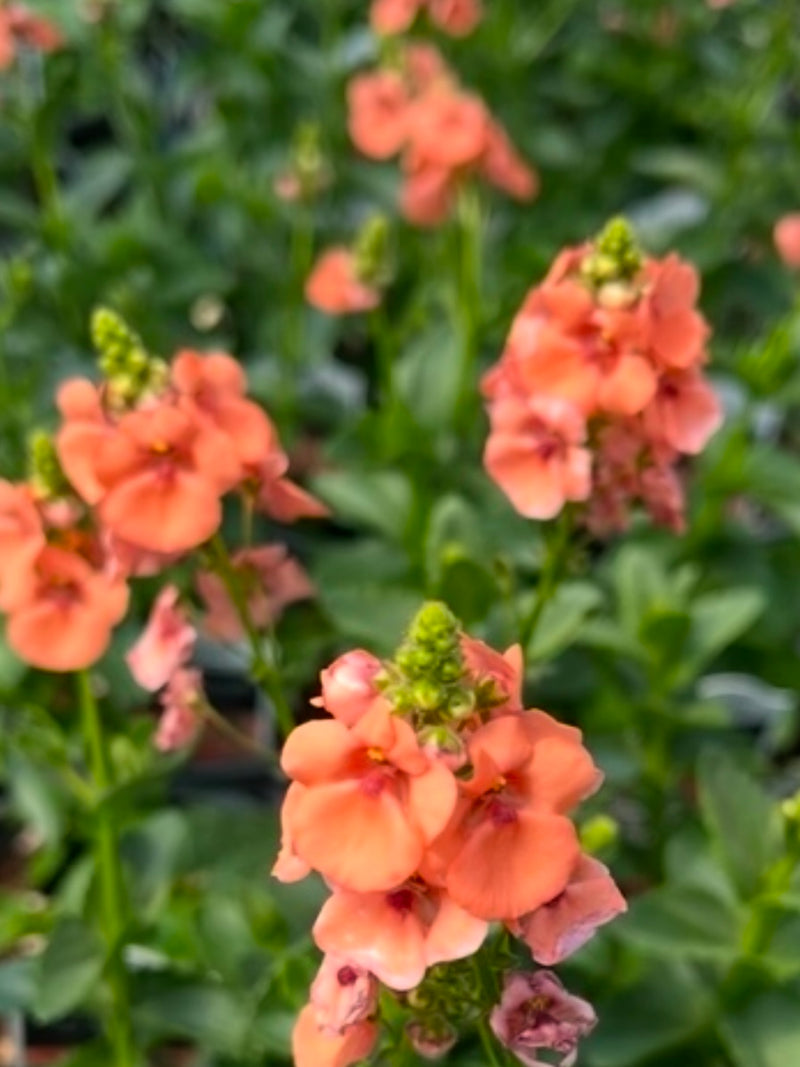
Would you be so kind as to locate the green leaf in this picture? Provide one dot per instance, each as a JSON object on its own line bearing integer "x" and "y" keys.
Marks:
{"x": 718, "y": 619}
{"x": 17, "y": 984}
{"x": 683, "y": 921}
{"x": 427, "y": 377}
{"x": 562, "y": 618}
{"x": 454, "y": 532}
{"x": 153, "y": 853}
{"x": 68, "y": 969}
{"x": 661, "y": 1009}
{"x": 36, "y": 796}
{"x": 379, "y": 500}
{"x": 765, "y": 1032}
{"x": 374, "y": 615}
{"x": 743, "y": 821}
{"x": 641, "y": 585}
{"x": 214, "y": 1017}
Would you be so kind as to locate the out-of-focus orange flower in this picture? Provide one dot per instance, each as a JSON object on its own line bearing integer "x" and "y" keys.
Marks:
{"x": 63, "y": 620}
{"x": 449, "y": 128}
{"x": 269, "y": 580}
{"x": 163, "y": 476}
{"x": 456, "y": 17}
{"x": 787, "y": 239}
{"x": 313, "y": 1047}
{"x": 212, "y": 387}
{"x": 617, "y": 338}
{"x": 21, "y": 540}
{"x": 334, "y": 286}
{"x": 388, "y": 17}
{"x": 505, "y": 168}
{"x": 536, "y": 454}
{"x": 20, "y": 26}
{"x": 275, "y": 494}
{"x": 378, "y": 113}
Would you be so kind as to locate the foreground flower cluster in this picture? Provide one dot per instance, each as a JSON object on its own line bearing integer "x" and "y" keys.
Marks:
{"x": 600, "y": 389}
{"x": 132, "y": 482}
{"x": 433, "y": 804}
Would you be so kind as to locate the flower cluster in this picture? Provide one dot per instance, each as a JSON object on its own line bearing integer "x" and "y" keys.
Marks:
{"x": 133, "y": 481}
{"x": 20, "y": 26}
{"x": 456, "y": 17}
{"x": 414, "y": 106}
{"x": 433, "y": 803}
{"x": 600, "y": 388}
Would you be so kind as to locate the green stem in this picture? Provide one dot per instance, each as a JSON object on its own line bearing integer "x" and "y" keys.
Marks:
{"x": 301, "y": 255}
{"x": 265, "y": 674}
{"x": 468, "y": 254}
{"x": 381, "y": 338}
{"x": 220, "y": 723}
{"x": 555, "y": 557}
{"x": 110, "y": 877}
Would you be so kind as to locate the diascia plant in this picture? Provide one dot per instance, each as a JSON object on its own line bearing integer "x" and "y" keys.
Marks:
{"x": 434, "y": 805}
{"x": 131, "y": 484}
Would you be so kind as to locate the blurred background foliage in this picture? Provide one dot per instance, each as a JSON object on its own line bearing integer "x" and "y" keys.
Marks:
{"x": 137, "y": 170}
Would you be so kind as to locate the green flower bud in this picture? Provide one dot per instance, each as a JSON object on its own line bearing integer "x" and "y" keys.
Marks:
{"x": 615, "y": 255}
{"x": 372, "y": 254}
{"x": 598, "y": 834}
{"x": 44, "y": 467}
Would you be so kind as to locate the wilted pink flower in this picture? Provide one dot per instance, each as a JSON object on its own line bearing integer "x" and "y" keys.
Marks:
{"x": 348, "y": 686}
{"x": 787, "y": 239}
{"x": 269, "y": 580}
{"x": 536, "y": 1012}
{"x": 165, "y": 644}
{"x": 342, "y": 994}
{"x": 560, "y": 927}
{"x": 182, "y": 701}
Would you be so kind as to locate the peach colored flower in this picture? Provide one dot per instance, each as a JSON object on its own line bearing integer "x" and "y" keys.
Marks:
{"x": 684, "y": 413}
{"x": 181, "y": 702}
{"x": 504, "y": 670}
{"x": 456, "y": 17}
{"x": 19, "y": 26}
{"x": 678, "y": 333}
{"x": 342, "y": 994}
{"x": 213, "y": 388}
{"x": 334, "y": 287}
{"x": 526, "y": 771}
{"x": 165, "y": 644}
{"x": 62, "y": 620}
{"x": 269, "y": 580}
{"x": 535, "y": 452}
{"x": 503, "y": 166}
{"x": 388, "y": 17}
{"x": 562, "y": 925}
{"x": 288, "y": 867}
{"x": 278, "y": 496}
{"x": 373, "y": 800}
{"x": 312, "y": 1047}
{"x": 378, "y": 113}
{"x": 449, "y": 128}
{"x": 398, "y": 934}
{"x": 83, "y": 436}
{"x": 428, "y": 192}
{"x": 423, "y": 66}
{"x": 348, "y": 686}
{"x": 21, "y": 540}
{"x": 536, "y": 1012}
{"x": 162, "y": 477}
{"x": 787, "y": 239}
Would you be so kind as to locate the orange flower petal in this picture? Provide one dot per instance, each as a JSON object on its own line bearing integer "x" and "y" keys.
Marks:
{"x": 163, "y": 515}
{"x": 355, "y": 838}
